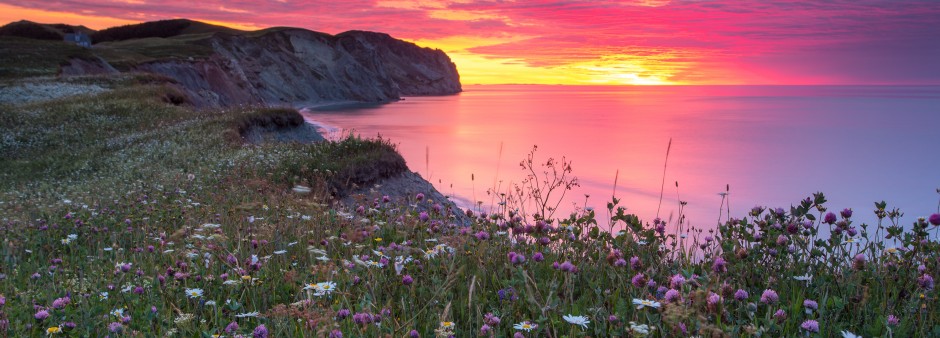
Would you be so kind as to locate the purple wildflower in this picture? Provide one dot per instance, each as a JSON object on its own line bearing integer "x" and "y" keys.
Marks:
{"x": 414, "y": 334}
{"x": 41, "y": 315}
{"x": 60, "y": 303}
{"x": 808, "y": 224}
{"x": 260, "y": 332}
{"x": 635, "y": 263}
{"x": 713, "y": 299}
{"x": 810, "y": 325}
{"x": 491, "y": 319}
{"x": 858, "y": 263}
{"x": 423, "y": 216}
{"x": 342, "y": 314}
{"x": 567, "y": 267}
{"x": 672, "y": 295}
{"x": 407, "y": 280}
{"x": 538, "y": 257}
{"x": 769, "y": 297}
{"x": 780, "y": 315}
{"x": 792, "y": 228}
{"x": 517, "y": 259}
{"x": 115, "y": 327}
{"x": 336, "y": 334}
{"x": 507, "y": 294}
{"x": 740, "y": 295}
{"x": 926, "y": 282}
{"x": 362, "y": 318}
{"x": 830, "y": 218}
{"x": 719, "y": 265}
{"x": 894, "y": 320}
{"x": 846, "y": 213}
{"x": 935, "y": 219}
{"x": 810, "y": 304}
{"x": 639, "y": 280}
{"x": 231, "y": 327}
{"x": 485, "y": 330}
{"x": 676, "y": 281}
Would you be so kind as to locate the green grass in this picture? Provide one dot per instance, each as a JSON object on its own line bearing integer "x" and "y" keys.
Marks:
{"x": 125, "y": 54}
{"x": 176, "y": 194}
{"x": 21, "y": 57}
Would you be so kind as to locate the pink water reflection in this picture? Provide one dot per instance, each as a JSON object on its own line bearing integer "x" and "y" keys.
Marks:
{"x": 772, "y": 145}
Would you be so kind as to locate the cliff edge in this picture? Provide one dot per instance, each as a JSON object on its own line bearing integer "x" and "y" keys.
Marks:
{"x": 275, "y": 66}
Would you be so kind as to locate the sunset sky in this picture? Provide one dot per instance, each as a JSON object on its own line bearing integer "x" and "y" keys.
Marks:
{"x": 592, "y": 42}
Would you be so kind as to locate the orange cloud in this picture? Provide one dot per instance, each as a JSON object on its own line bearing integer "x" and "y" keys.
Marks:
{"x": 593, "y": 42}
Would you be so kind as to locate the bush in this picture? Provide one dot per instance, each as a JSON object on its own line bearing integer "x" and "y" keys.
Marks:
{"x": 268, "y": 119}
{"x": 345, "y": 165}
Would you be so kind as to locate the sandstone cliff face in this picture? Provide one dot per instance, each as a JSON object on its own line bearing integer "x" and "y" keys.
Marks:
{"x": 294, "y": 67}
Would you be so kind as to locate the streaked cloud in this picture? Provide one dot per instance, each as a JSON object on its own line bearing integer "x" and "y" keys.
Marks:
{"x": 589, "y": 42}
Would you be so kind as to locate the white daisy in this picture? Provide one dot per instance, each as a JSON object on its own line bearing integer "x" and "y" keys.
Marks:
{"x": 280, "y": 252}
{"x": 194, "y": 293}
{"x": 248, "y": 314}
{"x": 322, "y": 288}
{"x": 803, "y": 278}
{"x": 525, "y": 326}
{"x": 641, "y": 303}
{"x": 847, "y": 334}
{"x": 641, "y": 329}
{"x": 577, "y": 320}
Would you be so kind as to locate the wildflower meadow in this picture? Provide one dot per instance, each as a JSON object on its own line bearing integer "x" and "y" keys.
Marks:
{"x": 111, "y": 227}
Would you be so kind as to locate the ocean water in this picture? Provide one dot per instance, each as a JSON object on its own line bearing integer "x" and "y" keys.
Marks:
{"x": 770, "y": 145}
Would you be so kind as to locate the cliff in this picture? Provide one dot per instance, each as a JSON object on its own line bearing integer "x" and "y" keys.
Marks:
{"x": 281, "y": 66}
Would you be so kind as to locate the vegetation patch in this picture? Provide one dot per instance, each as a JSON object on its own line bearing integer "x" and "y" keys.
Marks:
{"x": 124, "y": 215}
{"x": 157, "y": 29}
{"x": 22, "y": 57}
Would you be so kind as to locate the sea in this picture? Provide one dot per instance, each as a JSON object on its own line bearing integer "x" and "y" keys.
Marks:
{"x": 730, "y": 148}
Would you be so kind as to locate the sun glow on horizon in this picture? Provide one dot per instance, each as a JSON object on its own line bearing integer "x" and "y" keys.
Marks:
{"x": 605, "y": 42}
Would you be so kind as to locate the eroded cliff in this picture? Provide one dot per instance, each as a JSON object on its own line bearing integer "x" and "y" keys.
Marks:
{"x": 286, "y": 66}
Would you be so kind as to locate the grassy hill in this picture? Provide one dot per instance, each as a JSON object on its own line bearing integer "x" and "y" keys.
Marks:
{"x": 23, "y": 57}
{"x": 158, "y": 29}
{"x": 33, "y": 30}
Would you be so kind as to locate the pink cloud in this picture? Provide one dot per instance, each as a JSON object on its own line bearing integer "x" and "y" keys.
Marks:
{"x": 842, "y": 41}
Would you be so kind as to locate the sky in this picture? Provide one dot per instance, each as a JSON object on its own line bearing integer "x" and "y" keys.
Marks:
{"x": 867, "y": 42}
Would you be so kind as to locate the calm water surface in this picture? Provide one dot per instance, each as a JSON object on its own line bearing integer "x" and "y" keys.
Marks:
{"x": 773, "y": 145}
